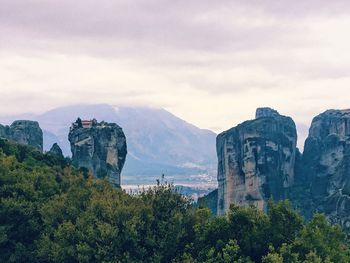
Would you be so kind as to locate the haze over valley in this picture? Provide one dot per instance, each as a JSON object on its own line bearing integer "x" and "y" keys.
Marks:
{"x": 158, "y": 142}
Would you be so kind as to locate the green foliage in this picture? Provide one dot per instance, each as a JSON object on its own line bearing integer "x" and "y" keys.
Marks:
{"x": 326, "y": 241}
{"x": 101, "y": 173}
{"x": 285, "y": 223}
{"x": 52, "y": 212}
{"x": 79, "y": 122}
{"x": 317, "y": 242}
{"x": 272, "y": 257}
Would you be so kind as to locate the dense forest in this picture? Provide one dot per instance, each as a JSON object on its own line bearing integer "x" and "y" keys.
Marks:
{"x": 53, "y": 212}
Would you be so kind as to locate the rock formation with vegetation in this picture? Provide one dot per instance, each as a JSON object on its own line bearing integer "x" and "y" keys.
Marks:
{"x": 24, "y": 132}
{"x": 99, "y": 147}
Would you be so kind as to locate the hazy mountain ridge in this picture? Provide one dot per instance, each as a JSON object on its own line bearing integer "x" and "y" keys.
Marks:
{"x": 158, "y": 141}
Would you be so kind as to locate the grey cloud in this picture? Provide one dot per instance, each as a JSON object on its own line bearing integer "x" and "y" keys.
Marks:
{"x": 194, "y": 45}
{"x": 140, "y": 24}
{"x": 298, "y": 9}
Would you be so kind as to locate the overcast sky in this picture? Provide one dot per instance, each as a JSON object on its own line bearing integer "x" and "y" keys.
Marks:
{"x": 209, "y": 62}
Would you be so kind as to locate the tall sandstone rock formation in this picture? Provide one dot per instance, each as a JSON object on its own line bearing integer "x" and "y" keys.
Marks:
{"x": 99, "y": 147}
{"x": 24, "y": 132}
{"x": 256, "y": 160}
{"x": 326, "y": 164}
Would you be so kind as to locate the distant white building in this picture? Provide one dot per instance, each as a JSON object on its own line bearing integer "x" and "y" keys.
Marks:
{"x": 85, "y": 124}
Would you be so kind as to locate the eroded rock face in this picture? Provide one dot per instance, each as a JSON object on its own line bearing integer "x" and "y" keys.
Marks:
{"x": 56, "y": 150}
{"x": 327, "y": 165}
{"x": 265, "y": 112}
{"x": 24, "y": 132}
{"x": 256, "y": 160}
{"x": 99, "y": 147}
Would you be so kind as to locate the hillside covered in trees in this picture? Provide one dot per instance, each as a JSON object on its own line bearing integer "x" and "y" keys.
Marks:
{"x": 53, "y": 212}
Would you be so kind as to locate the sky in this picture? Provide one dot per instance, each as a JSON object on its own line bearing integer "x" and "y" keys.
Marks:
{"x": 209, "y": 62}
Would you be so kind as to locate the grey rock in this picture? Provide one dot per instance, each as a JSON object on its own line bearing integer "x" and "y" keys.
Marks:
{"x": 209, "y": 201}
{"x": 56, "y": 150}
{"x": 158, "y": 141}
{"x": 5, "y": 131}
{"x": 256, "y": 161}
{"x": 265, "y": 112}
{"x": 24, "y": 132}
{"x": 326, "y": 163}
{"x": 99, "y": 147}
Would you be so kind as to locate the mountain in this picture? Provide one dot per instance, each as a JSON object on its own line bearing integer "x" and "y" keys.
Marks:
{"x": 158, "y": 142}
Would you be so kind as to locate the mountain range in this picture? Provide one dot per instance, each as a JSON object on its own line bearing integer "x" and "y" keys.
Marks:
{"x": 158, "y": 142}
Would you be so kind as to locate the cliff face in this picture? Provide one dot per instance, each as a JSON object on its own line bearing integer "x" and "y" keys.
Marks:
{"x": 24, "y": 132}
{"x": 326, "y": 162}
{"x": 56, "y": 150}
{"x": 210, "y": 201}
{"x": 256, "y": 160}
{"x": 99, "y": 147}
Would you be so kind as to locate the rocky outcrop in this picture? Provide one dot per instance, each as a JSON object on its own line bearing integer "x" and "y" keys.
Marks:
{"x": 326, "y": 163}
{"x": 209, "y": 201}
{"x": 99, "y": 147}
{"x": 24, "y": 132}
{"x": 256, "y": 160}
{"x": 265, "y": 112}
{"x": 259, "y": 159}
{"x": 56, "y": 150}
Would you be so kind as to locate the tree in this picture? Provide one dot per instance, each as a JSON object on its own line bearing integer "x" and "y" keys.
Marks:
{"x": 250, "y": 227}
{"x": 285, "y": 223}
{"x": 53, "y": 212}
{"x": 327, "y": 241}
{"x": 79, "y": 122}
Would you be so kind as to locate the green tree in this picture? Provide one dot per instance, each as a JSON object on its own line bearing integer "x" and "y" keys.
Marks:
{"x": 52, "y": 212}
{"x": 327, "y": 241}
{"x": 79, "y": 122}
{"x": 250, "y": 227}
{"x": 285, "y": 223}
